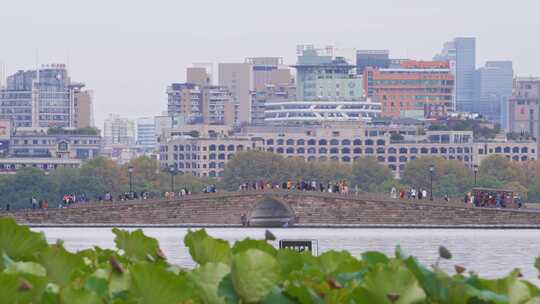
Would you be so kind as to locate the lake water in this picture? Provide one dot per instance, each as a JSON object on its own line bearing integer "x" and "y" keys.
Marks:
{"x": 490, "y": 253}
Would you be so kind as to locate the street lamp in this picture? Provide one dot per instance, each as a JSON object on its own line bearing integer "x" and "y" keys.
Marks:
{"x": 172, "y": 170}
{"x": 475, "y": 173}
{"x": 130, "y": 172}
{"x": 431, "y": 169}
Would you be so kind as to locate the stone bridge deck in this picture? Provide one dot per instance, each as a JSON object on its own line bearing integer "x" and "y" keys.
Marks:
{"x": 313, "y": 209}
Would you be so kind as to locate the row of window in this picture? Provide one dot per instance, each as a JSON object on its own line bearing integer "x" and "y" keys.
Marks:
{"x": 53, "y": 142}
{"x": 379, "y": 150}
{"x": 324, "y": 142}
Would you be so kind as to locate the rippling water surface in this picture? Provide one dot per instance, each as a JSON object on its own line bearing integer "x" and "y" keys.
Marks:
{"x": 490, "y": 253}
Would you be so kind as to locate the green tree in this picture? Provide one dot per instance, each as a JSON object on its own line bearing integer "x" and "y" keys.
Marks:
{"x": 19, "y": 189}
{"x": 250, "y": 166}
{"x": 70, "y": 180}
{"x": 369, "y": 174}
{"x": 450, "y": 177}
{"x": 499, "y": 167}
{"x": 145, "y": 173}
{"x": 106, "y": 172}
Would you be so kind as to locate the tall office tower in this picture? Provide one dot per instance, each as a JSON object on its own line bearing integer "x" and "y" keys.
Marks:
{"x": 461, "y": 54}
{"x": 238, "y": 78}
{"x": 146, "y": 134}
{"x": 379, "y": 59}
{"x": 217, "y": 105}
{"x": 41, "y": 98}
{"x": 524, "y": 106}
{"x": 417, "y": 89}
{"x": 118, "y": 130}
{"x": 493, "y": 88}
{"x": 322, "y": 77}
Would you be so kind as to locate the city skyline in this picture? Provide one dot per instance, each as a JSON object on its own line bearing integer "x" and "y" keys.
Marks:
{"x": 127, "y": 56}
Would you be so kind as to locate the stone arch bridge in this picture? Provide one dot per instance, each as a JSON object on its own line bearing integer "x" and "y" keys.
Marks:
{"x": 309, "y": 209}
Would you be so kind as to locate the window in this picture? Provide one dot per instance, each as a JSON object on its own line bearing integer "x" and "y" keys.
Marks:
{"x": 300, "y": 142}
{"x": 280, "y": 142}
{"x": 391, "y": 159}
{"x": 345, "y": 151}
{"x": 434, "y": 150}
{"x": 322, "y": 142}
{"x": 345, "y": 142}
{"x": 381, "y": 159}
{"x": 334, "y": 142}
{"x": 380, "y": 142}
{"x": 290, "y": 142}
{"x": 279, "y": 150}
{"x": 369, "y": 142}
{"x": 323, "y": 150}
{"x": 357, "y": 151}
{"x": 424, "y": 151}
{"x": 414, "y": 150}
{"x": 311, "y": 151}
{"x": 403, "y": 159}
{"x": 300, "y": 150}
{"x": 212, "y": 148}
{"x": 290, "y": 150}
{"x": 392, "y": 150}
{"x": 357, "y": 142}
{"x": 369, "y": 150}
{"x": 230, "y": 148}
{"x": 220, "y": 148}
{"x": 380, "y": 150}
{"x": 269, "y": 142}
{"x": 506, "y": 149}
{"x": 515, "y": 150}
{"x": 346, "y": 159}
{"x": 334, "y": 151}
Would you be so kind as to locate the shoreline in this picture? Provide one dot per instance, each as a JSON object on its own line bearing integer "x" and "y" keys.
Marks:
{"x": 299, "y": 226}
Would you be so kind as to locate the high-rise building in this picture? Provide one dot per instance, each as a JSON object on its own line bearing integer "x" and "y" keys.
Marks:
{"x": 118, "y": 130}
{"x": 146, "y": 134}
{"x": 44, "y": 98}
{"x": 461, "y": 55}
{"x": 418, "y": 89}
{"x": 493, "y": 88}
{"x": 379, "y": 59}
{"x": 200, "y": 102}
{"x": 238, "y": 78}
{"x": 83, "y": 107}
{"x": 323, "y": 77}
{"x": 524, "y": 106}
{"x": 272, "y": 82}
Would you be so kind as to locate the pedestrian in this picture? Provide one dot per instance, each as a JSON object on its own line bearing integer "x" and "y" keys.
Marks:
{"x": 393, "y": 193}
{"x": 45, "y": 204}
{"x": 40, "y": 204}
{"x": 34, "y": 203}
{"x": 446, "y": 199}
{"x": 424, "y": 193}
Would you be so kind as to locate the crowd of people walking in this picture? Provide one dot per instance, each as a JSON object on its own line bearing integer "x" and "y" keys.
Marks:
{"x": 300, "y": 185}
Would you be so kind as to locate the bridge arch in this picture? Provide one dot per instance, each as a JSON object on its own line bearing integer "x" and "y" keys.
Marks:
{"x": 270, "y": 212}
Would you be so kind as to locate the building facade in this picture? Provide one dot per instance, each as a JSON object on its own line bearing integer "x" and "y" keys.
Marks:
{"x": 238, "y": 78}
{"x": 323, "y": 77}
{"x": 118, "y": 130}
{"x": 377, "y": 59}
{"x": 461, "y": 54}
{"x": 419, "y": 89}
{"x": 45, "y": 98}
{"x": 493, "y": 89}
{"x": 145, "y": 128}
{"x": 337, "y": 142}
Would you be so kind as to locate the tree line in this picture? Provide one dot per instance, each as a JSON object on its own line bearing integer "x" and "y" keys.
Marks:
{"x": 101, "y": 175}
{"x": 93, "y": 179}
{"x": 450, "y": 177}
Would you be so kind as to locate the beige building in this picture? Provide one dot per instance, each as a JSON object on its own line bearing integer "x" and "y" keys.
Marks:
{"x": 524, "y": 106}
{"x": 197, "y": 75}
{"x": 84, "y": 109}
{"x": 238, "y": 77}
{"x": 337, "y": 142}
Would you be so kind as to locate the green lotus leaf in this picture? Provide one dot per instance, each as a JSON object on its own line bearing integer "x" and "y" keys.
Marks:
{"x": 21, "y": 288}
{"x": 276, "y": 296}
{"x": 79, "y": 296}
{"x": 333, "y": 262}
{"x": 303, "y": 294}
{"x": 373, "y": 257}
{"x": 254, "y": 273}
{"x": 226, "y": 290}
{"x": 153, "y": 284}
{"x": 248, "y": 243}
{"x": 26, "y": 267}
{"x": 385, "y": 281}
{"x": 511, "y": 286}
{"x": 205, "y": 249}
{"x": 19, "y": 242}
{"x": 98, "y": 286}
{"x": 535, "y": 300}
{"x": 207, "y": 278}
{"x": 291, "y": 260}
{"x": 61, "y": 265}
{"x": 136, "y": 245}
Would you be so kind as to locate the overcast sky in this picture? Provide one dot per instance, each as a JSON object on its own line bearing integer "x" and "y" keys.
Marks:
{"x": 128, "y": 51}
